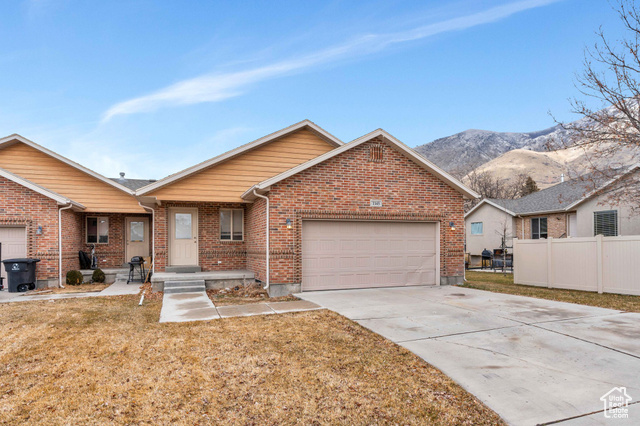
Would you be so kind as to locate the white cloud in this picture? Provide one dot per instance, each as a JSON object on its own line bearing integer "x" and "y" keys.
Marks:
{"x": 218, "y": 87}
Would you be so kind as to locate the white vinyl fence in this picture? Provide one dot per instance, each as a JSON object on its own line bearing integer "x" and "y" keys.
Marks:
{"x": 602, "y": 264}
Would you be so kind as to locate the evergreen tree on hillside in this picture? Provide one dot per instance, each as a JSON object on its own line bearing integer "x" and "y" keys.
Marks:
{"x": 530, "y": 186}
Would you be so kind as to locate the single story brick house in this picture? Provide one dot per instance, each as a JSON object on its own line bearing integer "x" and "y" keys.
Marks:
{"x": 573, "y": 208}
{"x": 298, "y": 208}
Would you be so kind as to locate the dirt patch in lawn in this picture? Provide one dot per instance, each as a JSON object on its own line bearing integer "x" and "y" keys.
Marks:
{"x": 242, "y": 295}
{"x": 106, "y": 360}
{"x": 82, "y": 288}
{"x": 503, "y": 283}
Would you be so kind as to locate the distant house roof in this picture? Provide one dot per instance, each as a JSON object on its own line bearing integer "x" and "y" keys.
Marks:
{"x": 561, "y": 197}
{"x": 133, "y": 184}
{"x": 555, "y": 198}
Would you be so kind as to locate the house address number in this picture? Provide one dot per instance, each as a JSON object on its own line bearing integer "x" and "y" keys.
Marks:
{"x": 375, "y": 203}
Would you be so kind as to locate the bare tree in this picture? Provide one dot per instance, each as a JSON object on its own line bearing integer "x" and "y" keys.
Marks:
{"x": 490, "y": 186}
{"x": 611, "y": 75}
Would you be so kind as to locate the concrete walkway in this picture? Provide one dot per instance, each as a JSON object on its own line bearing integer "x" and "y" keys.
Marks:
{"x": 118, "y": 288}
{"x": 196, "y": 306}
{"x": 532, "y": 361}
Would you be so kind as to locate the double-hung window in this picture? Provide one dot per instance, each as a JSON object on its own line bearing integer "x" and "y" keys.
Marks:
{"x": 232, "y": 224}
{"x": 605, "y": 223}
{"x": 538, "y": 228}
{"x": 97, "y": 230}
{"x": 476, "y": 228}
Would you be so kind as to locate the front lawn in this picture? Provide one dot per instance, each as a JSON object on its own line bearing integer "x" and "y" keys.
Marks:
{"x": 503, "y": 283}
{"x": 106, "y": 360}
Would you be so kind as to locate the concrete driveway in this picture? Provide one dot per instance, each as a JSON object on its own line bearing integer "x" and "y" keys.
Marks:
{"x": 532, "y": 361}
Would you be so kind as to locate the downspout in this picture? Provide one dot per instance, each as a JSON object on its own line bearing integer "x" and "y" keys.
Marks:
{"x": 60, "y": 243}
{"x": 266, "y": 286}
{"x": 153, "y": 236}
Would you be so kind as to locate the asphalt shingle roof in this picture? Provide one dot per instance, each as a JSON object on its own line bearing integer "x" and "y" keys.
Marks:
{"x": 133, "y": 184}
{"x": 554, "y": 198}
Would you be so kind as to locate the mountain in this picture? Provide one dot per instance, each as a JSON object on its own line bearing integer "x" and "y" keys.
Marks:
{"x": 465, "y": 151}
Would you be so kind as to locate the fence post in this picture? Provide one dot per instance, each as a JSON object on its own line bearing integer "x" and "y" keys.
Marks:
{"x": 599, "y": 262}
{"x": 513, "y": 260}
{"x": 549, "y": 262}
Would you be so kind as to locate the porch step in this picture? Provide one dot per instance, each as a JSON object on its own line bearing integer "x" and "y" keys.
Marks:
{"x": 183, "y": 269}
{"x": 193, "y": 286}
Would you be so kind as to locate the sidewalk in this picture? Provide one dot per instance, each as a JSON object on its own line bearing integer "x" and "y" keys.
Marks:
{"x": 196, "y": 306}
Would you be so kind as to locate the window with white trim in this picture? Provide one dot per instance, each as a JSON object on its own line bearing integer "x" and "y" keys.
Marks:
{"x": 232, "y": 224}
{"x": 605, "y": 223}
{"x": 476, "y": 228}
{"x": 538, "y": 228}
{"x": 97, "y": 230}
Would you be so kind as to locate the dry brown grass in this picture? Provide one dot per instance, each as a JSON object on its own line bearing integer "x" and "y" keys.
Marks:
{"x": 503, "y": 283}
{"x": 242, "y": 295}
{"x": 82, "y": 288}
{"x": 108, "y": 361}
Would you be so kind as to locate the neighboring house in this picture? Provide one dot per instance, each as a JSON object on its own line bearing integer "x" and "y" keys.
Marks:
{"x": 568, "y": 209}
{"x": 370, "y": 213}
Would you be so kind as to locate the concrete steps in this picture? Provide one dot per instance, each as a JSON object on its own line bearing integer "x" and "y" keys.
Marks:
{"x": 192, "y": 286}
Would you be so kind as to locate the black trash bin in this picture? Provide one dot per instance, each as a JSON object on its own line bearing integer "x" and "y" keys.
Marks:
{"x": 21, "y": 274}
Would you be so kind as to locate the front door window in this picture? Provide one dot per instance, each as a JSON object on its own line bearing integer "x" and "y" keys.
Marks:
{"x": 183, "y": 226}
{"x": 136, "y": 231}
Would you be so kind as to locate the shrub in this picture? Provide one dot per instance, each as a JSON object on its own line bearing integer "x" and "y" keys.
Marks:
{"x": 98, "y": 276}
{"x": 74, "y": 278}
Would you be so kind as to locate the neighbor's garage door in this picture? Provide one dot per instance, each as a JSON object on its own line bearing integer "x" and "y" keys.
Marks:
{"x": 14, "y": 244}
{"x": 355, "y": 254}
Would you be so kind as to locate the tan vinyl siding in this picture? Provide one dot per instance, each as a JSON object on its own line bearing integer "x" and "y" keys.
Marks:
{"x": 66, "y": 180}
{"x": 227, "y": 181}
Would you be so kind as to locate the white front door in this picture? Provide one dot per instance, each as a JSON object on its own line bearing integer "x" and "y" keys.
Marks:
{"x": 183, "y": 236}
{"x": 14, "y": 245}
{"x": 137, "y": 237}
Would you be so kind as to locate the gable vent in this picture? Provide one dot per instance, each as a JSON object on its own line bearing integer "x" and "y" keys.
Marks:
{"x": 376, "y": 153}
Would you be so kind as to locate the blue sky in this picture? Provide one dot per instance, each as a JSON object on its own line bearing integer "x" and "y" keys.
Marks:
{"x": 152, "y": 87}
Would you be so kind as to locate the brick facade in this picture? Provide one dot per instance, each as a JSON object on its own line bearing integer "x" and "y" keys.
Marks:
{"x": 213, "y": 254}
{"x": 342, "y": 187}
{"x": 20, "y": 206}
{"x": 556, "y": 225}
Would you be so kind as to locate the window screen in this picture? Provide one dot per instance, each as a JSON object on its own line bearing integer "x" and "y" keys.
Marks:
{"x": 476, "y": 228}
{"x": 605, "y": 223}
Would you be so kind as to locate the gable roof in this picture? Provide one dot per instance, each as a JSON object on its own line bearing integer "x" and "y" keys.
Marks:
{"x": 417, "y": 158}
{"x": 492, "y": 203}
{"x": 561, "y": 197}
{"x": 11, "y": 139}
{"x": 239, "y": 150}
{"x": 61, "y": 200}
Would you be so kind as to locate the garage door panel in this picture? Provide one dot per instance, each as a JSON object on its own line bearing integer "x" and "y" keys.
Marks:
{"x": 361, "y": 254}
{"x": 14, "y": 244}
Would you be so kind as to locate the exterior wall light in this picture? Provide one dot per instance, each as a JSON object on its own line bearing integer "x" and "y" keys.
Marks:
{"x": 289, "y": 224}
{"x": 39, "y": 230}
{"x": 452, "y": 226}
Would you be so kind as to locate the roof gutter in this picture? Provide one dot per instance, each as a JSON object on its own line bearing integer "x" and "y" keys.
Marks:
{"x": 266, "y": 287}
{"x": 70, "y": 205}
{"x": 153, "y": 237}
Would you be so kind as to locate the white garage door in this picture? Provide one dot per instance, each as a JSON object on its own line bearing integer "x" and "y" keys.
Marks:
{"x": 14, "y": 244}
{"x": 359, "y": 254}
